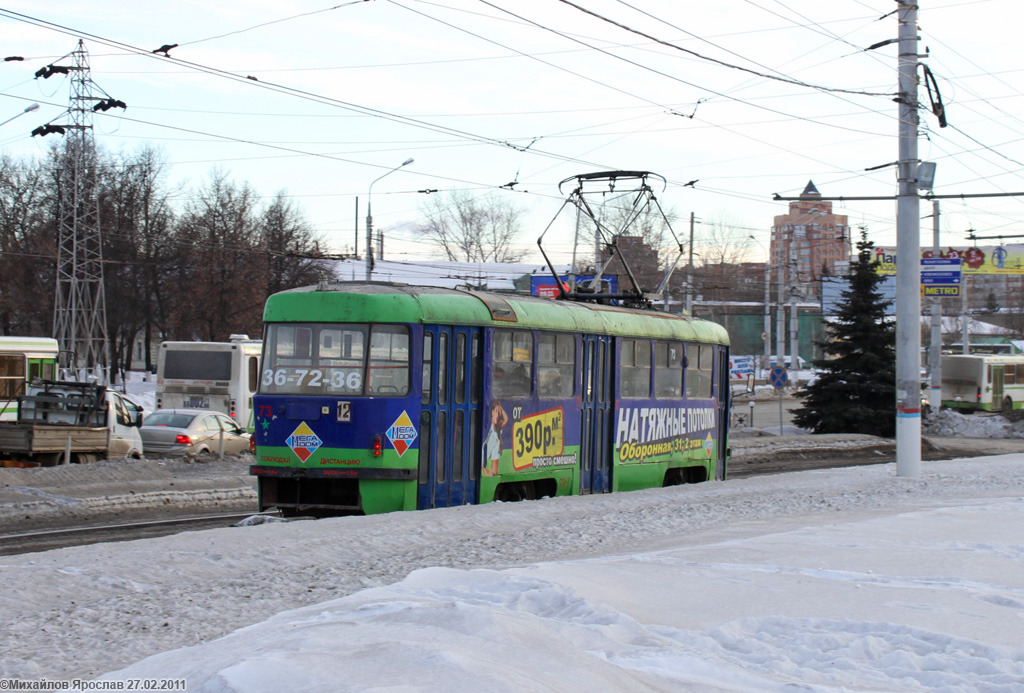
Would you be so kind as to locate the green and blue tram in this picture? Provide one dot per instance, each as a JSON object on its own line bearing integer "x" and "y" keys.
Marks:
{"x": 377, "y": 397}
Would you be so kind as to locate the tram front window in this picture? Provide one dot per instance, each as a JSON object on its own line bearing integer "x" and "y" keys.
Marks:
{"x": 335, "y": 359}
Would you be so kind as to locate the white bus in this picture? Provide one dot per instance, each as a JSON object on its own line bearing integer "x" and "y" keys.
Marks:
{"x": 220, "y": 376}
{"x": 22, "y": 360}
{"x": 983, "y": 381}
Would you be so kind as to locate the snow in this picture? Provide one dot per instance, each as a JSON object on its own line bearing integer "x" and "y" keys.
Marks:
{"x": 850, "y": 579}
{"x": 846, "y": 579}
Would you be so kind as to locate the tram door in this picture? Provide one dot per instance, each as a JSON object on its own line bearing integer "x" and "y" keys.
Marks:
{"x": 723, "y": 405}
{"x": 450, "y": 443}
{"x": 596, "y": 416}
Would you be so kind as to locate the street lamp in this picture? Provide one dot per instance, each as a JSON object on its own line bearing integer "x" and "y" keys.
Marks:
{"x": 369, "y": 219}
{"x": 28, "y": 109}
{"x": 766, "y": 336}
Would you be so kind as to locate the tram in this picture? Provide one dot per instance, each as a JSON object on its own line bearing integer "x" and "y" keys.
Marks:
{"x": 22, "y": 360}
{"x": 376, "y": 397}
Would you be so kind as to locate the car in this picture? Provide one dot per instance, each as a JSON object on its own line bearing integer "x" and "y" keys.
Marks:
{"x": 197, "y": 433}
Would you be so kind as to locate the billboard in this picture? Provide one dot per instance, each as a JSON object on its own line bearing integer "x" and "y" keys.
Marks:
{"x": 989, "y": 259}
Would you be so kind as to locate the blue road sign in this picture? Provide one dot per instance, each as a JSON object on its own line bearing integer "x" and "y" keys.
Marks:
{"x": 777, "y": 376}
{"x": 940, "y": 272}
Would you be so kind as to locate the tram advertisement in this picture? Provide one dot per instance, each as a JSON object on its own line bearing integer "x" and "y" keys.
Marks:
{"x": 537, "y": 440}
{"x": 649, "y": 434}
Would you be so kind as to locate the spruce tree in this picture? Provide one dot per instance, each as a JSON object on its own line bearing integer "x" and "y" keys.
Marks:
{"x": 855, "y": 391}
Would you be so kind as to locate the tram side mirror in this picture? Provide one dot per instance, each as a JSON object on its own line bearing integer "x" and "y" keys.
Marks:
{"x": 750, "y": 382}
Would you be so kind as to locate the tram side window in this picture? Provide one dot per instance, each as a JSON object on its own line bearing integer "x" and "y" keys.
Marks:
{"x": 635, "y": 368}
{"x": 700, "y": 365}
{"x": 389, "y": 360}
{"x": 1010, "y": 375}
{"x": 428, "y": 350}
{"x": 512, "y": 363}
{"x": 668, "y": 370}
{"x": 556, "y": 365}
{"x": 12, "y": 375}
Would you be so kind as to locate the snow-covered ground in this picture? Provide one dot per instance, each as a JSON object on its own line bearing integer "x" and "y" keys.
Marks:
{"x": 845, "y": 579}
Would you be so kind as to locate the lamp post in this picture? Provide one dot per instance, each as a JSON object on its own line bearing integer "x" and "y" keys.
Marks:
{"x": 28, "y": 109}
{"x": 369, "y": 220}
{"x": 767, "y": 334}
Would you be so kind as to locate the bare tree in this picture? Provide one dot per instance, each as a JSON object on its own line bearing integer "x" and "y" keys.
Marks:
{"x": 290, "y": 246}
{"x": 473, "y": 229}
{"x": 655, "y": 226}
{"x": 27, "y": 247}
{"x": 136, "y": 218}
{"x": 719, "y": 250}
{"x": 218, "y": 277}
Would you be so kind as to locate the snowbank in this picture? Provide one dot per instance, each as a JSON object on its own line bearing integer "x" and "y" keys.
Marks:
{"x": 841, "y": 579}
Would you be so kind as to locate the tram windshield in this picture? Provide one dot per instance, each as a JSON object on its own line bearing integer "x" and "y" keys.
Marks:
{"x": 336, "y": 359}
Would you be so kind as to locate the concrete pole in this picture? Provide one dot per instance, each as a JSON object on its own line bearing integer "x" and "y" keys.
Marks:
{"x": 767, "y": 314}
{"x": 965, "y": 319}
{"x": 689, "y": 270}
{"x": 794, "y": 338}
{"x": 369, "y": 237}
{"x": 908, "y": 255}
{"x": 369, "y": 220}
{"x": 935, "y": 348}
{"x": 780, "y": 310}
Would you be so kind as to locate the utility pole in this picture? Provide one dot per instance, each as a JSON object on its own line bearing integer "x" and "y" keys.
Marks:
{"x": 935, "y": 348}
{"x": 80, "y": 313}
{"x": 908, "y": 254}
{"x": 689, "y": 269}
{"x": 780, "y": 310}
{"x": 794, "y": 336}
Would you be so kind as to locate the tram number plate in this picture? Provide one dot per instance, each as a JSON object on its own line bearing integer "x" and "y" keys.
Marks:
{"x": 344, "y": 411}
{"x": 197, "y": 402}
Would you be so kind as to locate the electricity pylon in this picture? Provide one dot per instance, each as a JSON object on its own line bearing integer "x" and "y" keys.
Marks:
{"x": 80, "y": 311}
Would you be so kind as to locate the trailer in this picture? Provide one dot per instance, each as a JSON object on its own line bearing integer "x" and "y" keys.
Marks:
{"x": 60, "y": 422}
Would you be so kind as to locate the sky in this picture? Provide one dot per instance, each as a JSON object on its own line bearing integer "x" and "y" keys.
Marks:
{"x": 820, "y": 581}
{"x": 748, "y": 98}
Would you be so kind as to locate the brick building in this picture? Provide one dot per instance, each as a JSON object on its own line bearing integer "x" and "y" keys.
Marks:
{"x": 808, "y": 243}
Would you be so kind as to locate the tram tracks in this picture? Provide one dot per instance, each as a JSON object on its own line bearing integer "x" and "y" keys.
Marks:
{"x": 752, "y": 458}
{"x": 14, "y": 543}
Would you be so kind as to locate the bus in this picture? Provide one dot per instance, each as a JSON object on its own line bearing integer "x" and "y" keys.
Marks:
{"x": 22, "y": 360}
{"x": 983, "y": 382}
{"x": 220, "y": 376}
{"x": 376, "y": 397}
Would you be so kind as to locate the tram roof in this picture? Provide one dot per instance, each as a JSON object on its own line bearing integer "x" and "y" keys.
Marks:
{"x": 358, "y": 302}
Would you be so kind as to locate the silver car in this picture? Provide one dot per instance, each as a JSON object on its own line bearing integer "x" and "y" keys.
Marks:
{"x": 196, "y": 433}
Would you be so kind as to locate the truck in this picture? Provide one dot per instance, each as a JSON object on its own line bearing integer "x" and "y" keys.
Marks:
{"x": 61, "y": 422}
